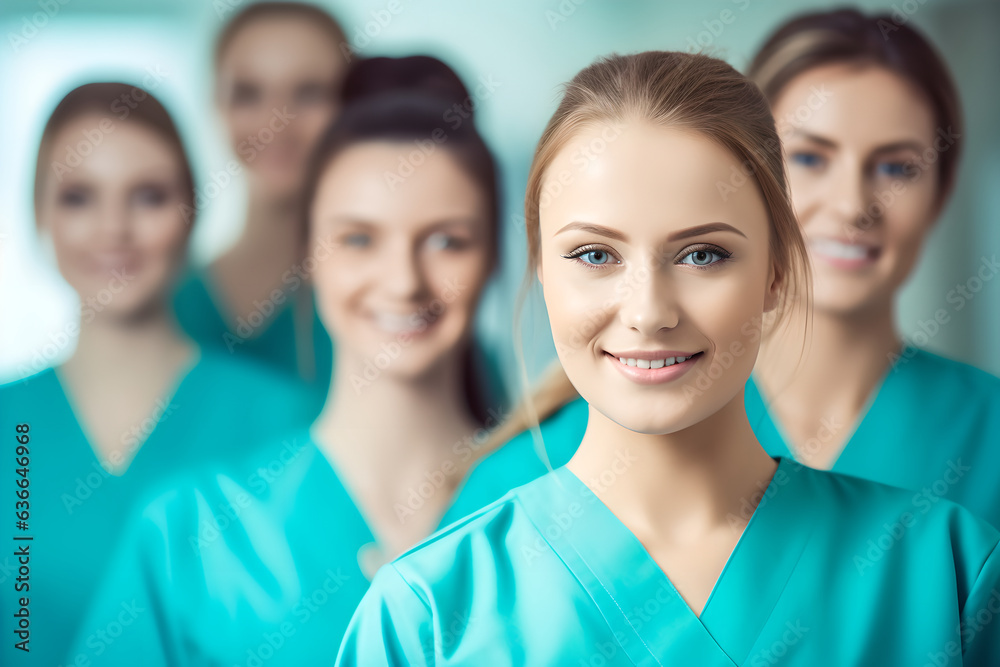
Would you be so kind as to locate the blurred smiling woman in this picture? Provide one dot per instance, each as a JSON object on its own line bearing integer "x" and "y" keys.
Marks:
{"x": 270, "y": 562}
{"x": 279, "y": 68}
{"x": 137, "y": 400}
{"x": 862, "y": 401}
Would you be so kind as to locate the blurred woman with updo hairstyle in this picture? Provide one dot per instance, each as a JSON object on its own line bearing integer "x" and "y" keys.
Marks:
{"x": 872, "y": 132}
{"x": 137, "y": 400}
{"x": 269, "y": 564}
{"x": 671, "y": 537}
{"x": 279, "y": 68}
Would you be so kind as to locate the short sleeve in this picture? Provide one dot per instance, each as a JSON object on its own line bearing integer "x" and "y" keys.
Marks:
{"x": 392, "y": 626}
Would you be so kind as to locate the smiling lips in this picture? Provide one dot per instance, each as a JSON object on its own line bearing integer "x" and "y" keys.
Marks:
{"x": 653, "y": 367}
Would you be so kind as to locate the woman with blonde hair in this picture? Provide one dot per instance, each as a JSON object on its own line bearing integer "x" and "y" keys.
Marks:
{"x": 671, "y": 536}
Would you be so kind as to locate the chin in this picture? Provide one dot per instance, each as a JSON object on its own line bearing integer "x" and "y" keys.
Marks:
{"x": 845, "y": 302}
{"x": 648, "y": 416}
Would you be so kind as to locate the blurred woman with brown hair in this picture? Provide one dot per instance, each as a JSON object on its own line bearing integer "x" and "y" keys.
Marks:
{"x": 872, "y": 132}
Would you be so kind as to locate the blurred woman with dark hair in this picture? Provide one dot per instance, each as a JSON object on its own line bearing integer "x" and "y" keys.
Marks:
{"x": 268, "y": 565}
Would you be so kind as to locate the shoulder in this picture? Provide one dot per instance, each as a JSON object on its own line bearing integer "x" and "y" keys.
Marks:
{"x": 478, "y": 545}
{"x": 850, "y": 508}
{"x": 940, "y": 369}
{"x": 208, "y": 506}
{"x": 241, "y": 375}
{"x": 30, "y": 383}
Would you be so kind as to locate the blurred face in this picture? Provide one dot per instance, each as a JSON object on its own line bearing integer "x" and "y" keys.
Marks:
{"x": 116, "y": 219}
{"x": 278, "y": 88}
{"x": 863, "y": 171}
{"x": 401, "y": 264}
{"x": 652, "y": 276}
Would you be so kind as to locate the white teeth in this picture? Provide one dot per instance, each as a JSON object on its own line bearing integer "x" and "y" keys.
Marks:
{"x": 840, "y": 250}
{"x": 391, "y": 323}
{"x": 651, "y": 363}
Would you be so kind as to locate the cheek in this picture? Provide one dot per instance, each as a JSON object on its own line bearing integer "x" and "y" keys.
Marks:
{"x": 310, "y": 123}
{"x": 805, "y": 194}
{"x": 162, "y": 234}
{"x": 71, "y": 236}
{"x": 578, "y": 306}
{"x": 337, "y": 284}
{"x": 458, "y": 281}
{"x": 243, "y": 123}
{"x": 908, "y": 219}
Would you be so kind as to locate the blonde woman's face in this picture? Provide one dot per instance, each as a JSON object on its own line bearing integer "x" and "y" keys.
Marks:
{"x": 278, "y": 89}
{"x": 863, "y": 157}
{"x": 655, "y": 276}
{"x": 117, "y": 218}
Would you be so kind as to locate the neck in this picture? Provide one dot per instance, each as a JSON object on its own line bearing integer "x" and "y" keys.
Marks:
{"x": 690, "y": 480}
{"x": 109, "y": 342}
{"x": 268, "y": 215}
{"x": 396, "y": 418}
{"x": 843, "y": 356}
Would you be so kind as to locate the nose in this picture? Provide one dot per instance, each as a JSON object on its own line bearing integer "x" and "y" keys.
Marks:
{"x": 402, "y": 275}
{"x": 648, "y": 304}
{"x": 115, "y": 223}
{"x": 850, "y": 197}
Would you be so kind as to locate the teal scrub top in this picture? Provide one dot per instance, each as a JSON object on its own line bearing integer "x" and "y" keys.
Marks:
{"x": 218, "y": 411}
{"x": 267, "y": 335}
{"x": 932, "y": 426}
{"x": 266, "y": 567}
{"x": 830, "y": 570}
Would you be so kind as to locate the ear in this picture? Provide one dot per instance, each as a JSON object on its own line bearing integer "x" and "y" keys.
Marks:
{"x": 775, "y": 285}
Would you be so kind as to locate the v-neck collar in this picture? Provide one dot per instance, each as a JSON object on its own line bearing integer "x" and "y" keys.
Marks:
{"x": 876, "y": 397}
{"x": 648, "y": 615}
{"x": 177, "y": 388}
{"x": 372, "y": 554}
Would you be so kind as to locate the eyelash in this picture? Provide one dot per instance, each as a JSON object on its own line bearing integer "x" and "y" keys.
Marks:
{"x": 583, "y": 250}
{"x": 724, "y": 255}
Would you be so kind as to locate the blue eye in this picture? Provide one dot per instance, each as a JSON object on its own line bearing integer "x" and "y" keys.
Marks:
{"x": 704, "y": 257}
{"x": 595, "y": 257}
{"x": 808, "y": 160}
{"x": 892, "y": 169}
{"x": 358, "y": 240}
{"x": 443, "y": 241}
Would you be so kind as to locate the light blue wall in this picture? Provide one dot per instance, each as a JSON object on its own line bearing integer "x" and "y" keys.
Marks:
{"x": 527, "y": 47}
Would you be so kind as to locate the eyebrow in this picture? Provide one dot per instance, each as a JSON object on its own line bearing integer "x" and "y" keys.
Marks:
{"x": 698, "y": 230}
{"x": 905, "y": 144}
{"x": 350, "y": 220}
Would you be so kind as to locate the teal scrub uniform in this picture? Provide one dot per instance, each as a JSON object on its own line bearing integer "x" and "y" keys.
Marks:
{"x": 830, "y": 570}
{"x": 266, "y": 335}
{"x": 217, "y": 413}
{"x": 932, "y": 426}
{"x": 266, "y": 567}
